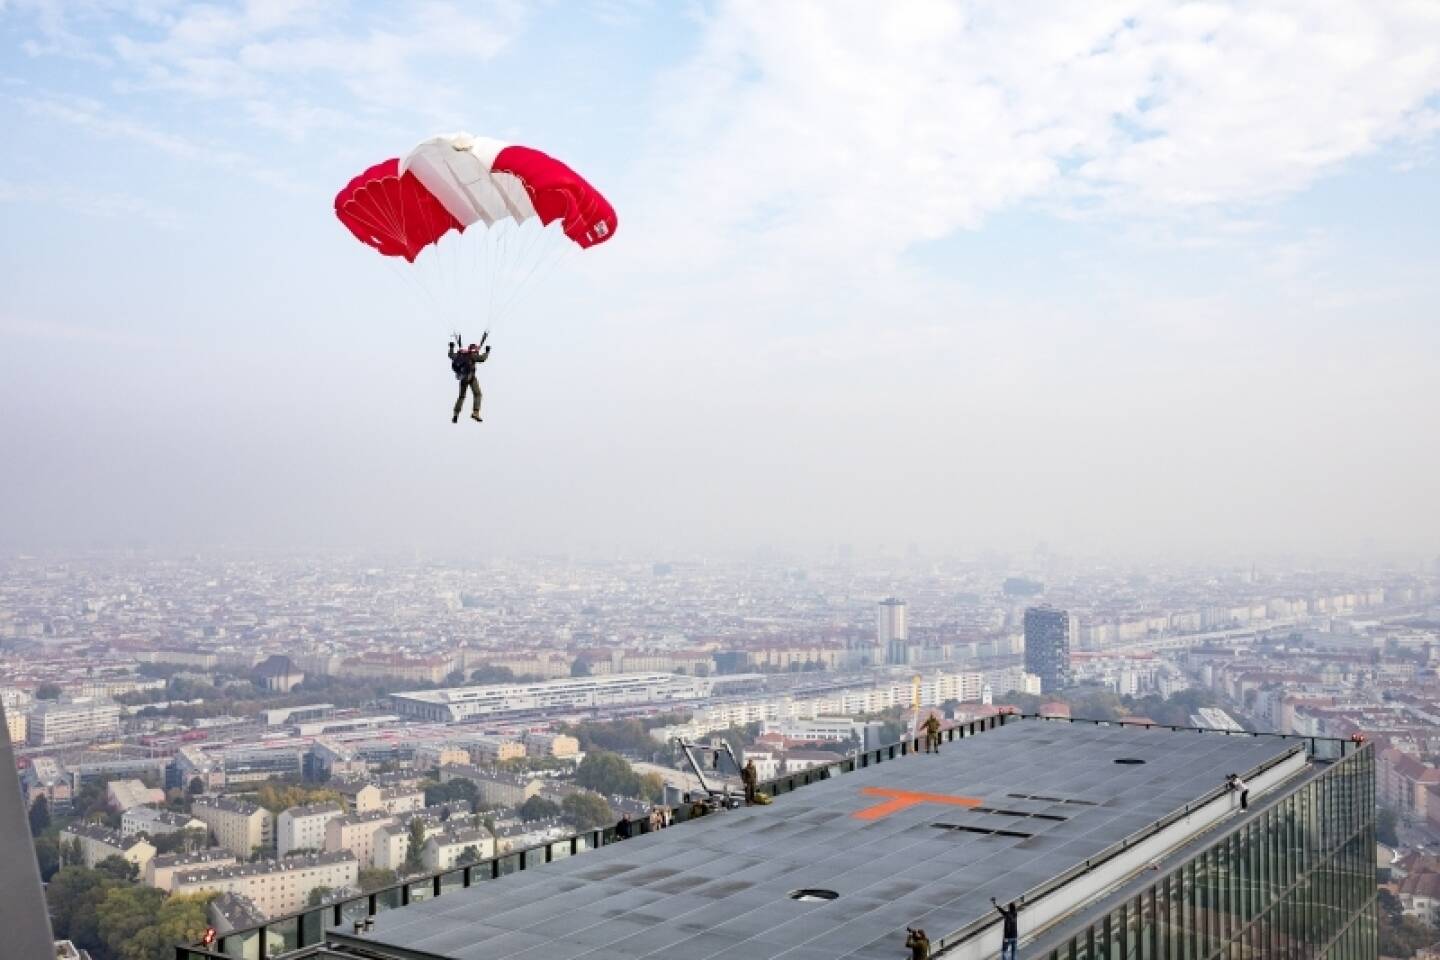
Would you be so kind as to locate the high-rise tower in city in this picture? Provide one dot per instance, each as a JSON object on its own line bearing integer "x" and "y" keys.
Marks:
{"x": 890, "y": 631}
{"x": 1048, "y": 635}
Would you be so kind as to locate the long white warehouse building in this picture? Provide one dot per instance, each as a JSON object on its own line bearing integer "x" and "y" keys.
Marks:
{"x": 464, "y": 703}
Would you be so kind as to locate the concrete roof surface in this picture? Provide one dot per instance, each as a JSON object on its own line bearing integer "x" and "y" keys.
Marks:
{"x": 720, "y": 887}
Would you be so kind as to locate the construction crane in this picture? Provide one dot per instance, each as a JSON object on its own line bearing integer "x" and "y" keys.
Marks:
{"x": 711, "y": 755}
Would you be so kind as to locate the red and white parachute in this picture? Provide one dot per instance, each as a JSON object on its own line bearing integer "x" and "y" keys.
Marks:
{"x": 478, "y": 221}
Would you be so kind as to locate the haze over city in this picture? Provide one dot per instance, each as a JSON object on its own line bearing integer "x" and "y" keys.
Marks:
{"x": 1120, "y": 277}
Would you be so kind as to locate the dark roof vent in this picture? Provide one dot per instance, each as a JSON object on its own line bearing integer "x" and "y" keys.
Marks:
{"x": 1129, "y": 760}
{"x": 810, "y": 895}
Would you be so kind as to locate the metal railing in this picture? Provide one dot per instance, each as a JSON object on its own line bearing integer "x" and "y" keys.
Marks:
{"x": 307, "y": 928}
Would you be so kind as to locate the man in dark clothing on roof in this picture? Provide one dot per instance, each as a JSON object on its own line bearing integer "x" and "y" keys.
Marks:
{"x": 1234, "y": 784}
{"x": 750, "y": 778}
{"x": 462, "y": 364}
{"x": 1010, "y": 942}
{"x": 932, "y": 734}
{"x": 917, "y": 943}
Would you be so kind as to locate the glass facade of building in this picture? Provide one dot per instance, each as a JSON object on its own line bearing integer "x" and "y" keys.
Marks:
{"x": 1296, "y": 881}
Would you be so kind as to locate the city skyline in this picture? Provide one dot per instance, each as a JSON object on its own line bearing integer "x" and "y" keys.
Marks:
{"x": 1160, "y": 281}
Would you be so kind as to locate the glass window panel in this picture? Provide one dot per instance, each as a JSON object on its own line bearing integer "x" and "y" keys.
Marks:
{"x": 282, "y": 935}
{"x": 388, "y": 899}
{"x": 352, "y": 910}
{"x": 313, "y": 924}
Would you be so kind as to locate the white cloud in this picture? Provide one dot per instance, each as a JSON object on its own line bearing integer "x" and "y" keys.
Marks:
{"x": 92, "y": 116}
{"x": 283, "y": 62}
{"x": 91, "y": 203}
{"x": 859, "y": 130}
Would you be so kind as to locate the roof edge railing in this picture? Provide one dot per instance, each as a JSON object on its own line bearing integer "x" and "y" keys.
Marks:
{"x": 307, "y": 928}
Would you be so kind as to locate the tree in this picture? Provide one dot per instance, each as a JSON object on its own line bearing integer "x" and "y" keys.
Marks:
{"x": 124, "y": 912}
{"x": 538, "y": 808}
{"x": 415, "y": 852}
{"x": 608, "y": 773}
{"x": 195, "y": 787}
{"x": 48, "y": 691}
{"x": 621, "y": 736}
{"x": 276, "y": 797}
{"x": 318, "y": 895}
{"x": 39, "y": 815}
{"x": 47, "y": 855}
{"x": 493, "y": 674}
{"x": 177, "y": 920}
{"x": 74, "y": 894}
{"x": 586, "y": 811}
{"x": 579, "y": 668}
{"x": 457, "y": 789}
{"x": 1400, "y": 936}
{"x": 373, "y": 878}
{"x": 117, "y": 867}
{"x": 652, "y": 787}
{"x": 468, "y": 856}
{"x": 181, "y": 841}
{"x": 454, "y": 678}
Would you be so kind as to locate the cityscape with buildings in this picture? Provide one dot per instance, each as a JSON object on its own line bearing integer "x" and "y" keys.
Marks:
{"x": 925, "y": 480}
{"x": 245, "y": 739}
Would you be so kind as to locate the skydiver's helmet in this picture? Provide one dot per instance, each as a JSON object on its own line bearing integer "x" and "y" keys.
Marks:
{"x": 473, "y": 348}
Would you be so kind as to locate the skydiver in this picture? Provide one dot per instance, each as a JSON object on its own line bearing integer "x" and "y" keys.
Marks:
{"x": 462, "y": 364}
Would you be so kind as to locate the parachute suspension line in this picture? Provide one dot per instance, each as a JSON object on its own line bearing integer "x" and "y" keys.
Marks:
{"x": 520, "y": 251}
{"x": 496, "y": 254}
{"x": 549, "y": 257}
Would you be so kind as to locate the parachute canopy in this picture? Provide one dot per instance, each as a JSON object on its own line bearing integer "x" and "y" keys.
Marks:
{"x": 455, "y": 181}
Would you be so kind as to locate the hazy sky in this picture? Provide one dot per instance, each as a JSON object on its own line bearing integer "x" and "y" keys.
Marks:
{"x": 1115, "y": 275}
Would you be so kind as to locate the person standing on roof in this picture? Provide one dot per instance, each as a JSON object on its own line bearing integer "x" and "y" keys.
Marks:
{"x": 1010, "y": 937}
{"x": 1234, "y": 784}
{"x": 917, "y": 943}
{"x": 462, "y": 364}
{"x": 751, "y": 778}
{"x": 932, "y": 733}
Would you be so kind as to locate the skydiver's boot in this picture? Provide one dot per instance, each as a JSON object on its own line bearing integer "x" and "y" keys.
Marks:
{"x": 476, "y": 417}
{"x": 455, "y": 418}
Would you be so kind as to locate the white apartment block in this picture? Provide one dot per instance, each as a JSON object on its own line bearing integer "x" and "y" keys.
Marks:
{"x": 303, "y": 828}
{"x": 97, "y": 843}
{"x": 277, "y": 887}
{"x": 463, "y": 703}
{"x": 445, "y": 849}
{"x": 157, "y": 822}
{"x": 17, "y": 725}
{"x": 935, "y": 688}
{"x": 355, "y": 832}
{"x": 238, "y": 826}
{"x": 494, "y": 788}
{"x": 559, "y": 745}
{"x": 160, "y": 871}
{"x": 64, "y": 721}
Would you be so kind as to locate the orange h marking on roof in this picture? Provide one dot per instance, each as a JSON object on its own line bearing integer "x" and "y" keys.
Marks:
{"x": 905, "y": 799}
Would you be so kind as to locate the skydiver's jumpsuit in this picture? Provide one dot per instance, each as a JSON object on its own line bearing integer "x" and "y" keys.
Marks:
{"x": 463, "y": 364}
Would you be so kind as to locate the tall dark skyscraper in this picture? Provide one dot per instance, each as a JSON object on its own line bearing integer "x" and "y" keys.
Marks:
{"x": 1047, "y": 647}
